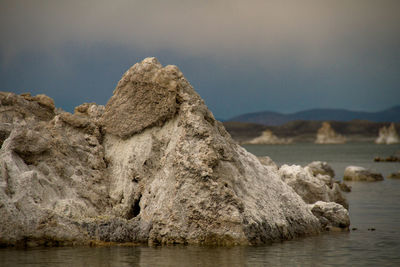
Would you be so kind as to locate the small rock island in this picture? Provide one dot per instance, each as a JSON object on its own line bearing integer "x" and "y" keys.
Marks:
{"x": 153, "y": 166}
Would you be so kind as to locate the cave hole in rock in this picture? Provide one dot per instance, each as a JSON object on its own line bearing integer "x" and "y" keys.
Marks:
{"x": 135, "y": 209}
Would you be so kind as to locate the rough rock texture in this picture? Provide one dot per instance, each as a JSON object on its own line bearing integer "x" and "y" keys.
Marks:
{"x": 268, "y": 138}
{"x": 356, "y": 173}
{"x": 267, "y": 161}
{"x": 145, "y": 96}
{"x": 153, "y": 166}
{"x": 331, "y": 215}
{"x": 321, "y": 167}
{"x": 193, "y": 183}
{"x": 14, "y": 108}
{"x": 388, "y": 135}
{"x": 326, "y": 135}
{"x": 312, "y": 187}
{"x": 53, "y": 177}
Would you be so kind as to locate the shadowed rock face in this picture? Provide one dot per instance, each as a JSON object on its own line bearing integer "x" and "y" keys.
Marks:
{"x": 153, "y": 166}
{"x": 145, "y": 96}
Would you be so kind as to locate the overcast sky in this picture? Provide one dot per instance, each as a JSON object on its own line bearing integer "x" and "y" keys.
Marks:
{"x": 240, "y": 56}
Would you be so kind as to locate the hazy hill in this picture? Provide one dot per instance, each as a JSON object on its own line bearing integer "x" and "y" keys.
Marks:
{"x": 275, "y": 118}
{"x": 305, "y": 131}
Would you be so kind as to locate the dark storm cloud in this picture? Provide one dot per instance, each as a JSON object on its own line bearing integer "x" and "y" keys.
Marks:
{"x": 240, "y": 55}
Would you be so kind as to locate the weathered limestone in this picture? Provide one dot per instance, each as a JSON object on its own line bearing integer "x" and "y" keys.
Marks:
{"x": 312, "y": 187}
{"x": 388, "y": 135}
{"x": 153, "y": 166}
{"x": 331, "y": 215}
{"x": 267, "y": 161}
{"x": 14, "y": 108}
{"x": 193, "y": 183}
{"x": 356, "y": 173}
{"x": 321, "y": 167}
{"x": 147, "y": 95}
{"x": 269, "y": 138}
{"x": 326, "y": 135}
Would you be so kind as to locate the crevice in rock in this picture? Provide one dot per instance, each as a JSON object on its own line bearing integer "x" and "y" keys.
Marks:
{"x": 135, "y": 209}
{"x": 3, "y": 136}
{"x": 27, "y": 157}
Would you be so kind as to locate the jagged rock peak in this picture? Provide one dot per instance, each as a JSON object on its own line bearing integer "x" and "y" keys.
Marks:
{"x": 147, "y": 95}
{"x": 164, "y": 171}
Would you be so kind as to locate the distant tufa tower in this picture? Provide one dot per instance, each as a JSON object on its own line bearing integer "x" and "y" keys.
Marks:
{"x": 388, "y": 135}
{"x": 326, "y": 135}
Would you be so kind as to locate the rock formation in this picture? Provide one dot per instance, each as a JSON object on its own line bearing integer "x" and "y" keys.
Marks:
{"x": 388, "y": 135}
{"x": 312, "y": 186}
{"x": 321, "y": 167}
{"x": 356, "y": 173}
{"x": 268, "y": 138}
{"x": 326, "y": 135}
{"x": 331, "y": 215}
{"x": 315, "y": 184}
{"x": 152, "y": 166}
{"x": 395, "y": 175}
{"x": 387, "y": 159}
{"x": 267, "y": 161}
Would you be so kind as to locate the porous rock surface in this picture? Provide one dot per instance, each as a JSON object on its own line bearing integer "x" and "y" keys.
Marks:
{"x": 153, "y": 166}
{"x": 327, "y": 135}
{"x": 324, "y": 169}
{"x": 311, "y": 184}
{"x": 331, "y": 215}
{"x": 321, "y": 167}
{"x": 145, "y": 96}
{"x": 267, "y": 161}
{"x": 357, "y": 173}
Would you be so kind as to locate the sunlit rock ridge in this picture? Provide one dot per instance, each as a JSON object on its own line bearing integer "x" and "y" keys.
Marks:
{"x": 153, "y": 166}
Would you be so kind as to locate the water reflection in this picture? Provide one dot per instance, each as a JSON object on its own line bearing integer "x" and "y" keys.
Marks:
{"x": 358, "y": 248}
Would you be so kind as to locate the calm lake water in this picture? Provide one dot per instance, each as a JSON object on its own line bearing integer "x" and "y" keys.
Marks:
{"x": 372, "y": 205}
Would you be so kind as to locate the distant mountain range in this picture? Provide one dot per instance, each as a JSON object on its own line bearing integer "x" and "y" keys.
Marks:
{"x": 305, "y": 130}
{"x": 274, "y": 118}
